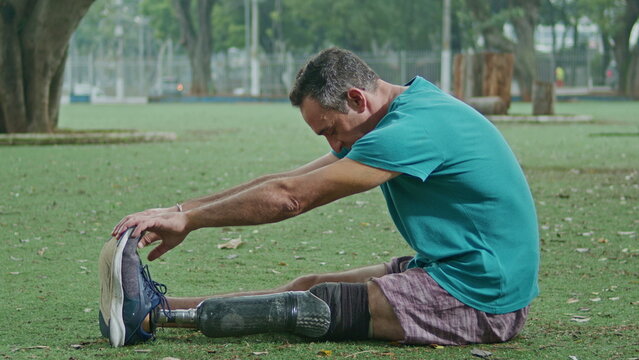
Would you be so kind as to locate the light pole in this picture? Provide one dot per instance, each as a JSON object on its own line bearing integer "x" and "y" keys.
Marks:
{"x": 446, "y": 53}
{"x": 255, "y": 65}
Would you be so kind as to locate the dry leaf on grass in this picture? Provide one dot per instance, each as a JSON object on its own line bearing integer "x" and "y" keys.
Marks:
{"x": 580, "y": 319}
{"x": 325, "y": 352}
{"x": 231, "y": 244}
{"x": 481, "y": 353}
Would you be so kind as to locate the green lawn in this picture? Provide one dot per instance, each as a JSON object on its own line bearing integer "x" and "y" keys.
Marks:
{"x": 58, "y": 205}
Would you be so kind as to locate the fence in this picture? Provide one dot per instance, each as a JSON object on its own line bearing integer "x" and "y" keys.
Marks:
{"x": 230, "y": 73}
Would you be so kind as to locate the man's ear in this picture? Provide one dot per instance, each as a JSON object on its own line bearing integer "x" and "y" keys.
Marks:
{"x": 356, "y": 99}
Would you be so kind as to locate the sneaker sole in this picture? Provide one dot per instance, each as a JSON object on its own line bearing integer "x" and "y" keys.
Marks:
{"x": 117, "y": 330}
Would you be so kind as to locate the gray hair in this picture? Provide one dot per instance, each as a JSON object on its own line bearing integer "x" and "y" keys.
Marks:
{"x": 327, "y": 76}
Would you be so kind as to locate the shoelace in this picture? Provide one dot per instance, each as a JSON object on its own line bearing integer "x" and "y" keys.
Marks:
{"x": 153, "y": 287}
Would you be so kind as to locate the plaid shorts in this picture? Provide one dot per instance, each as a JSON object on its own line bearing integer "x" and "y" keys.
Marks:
{"x": 430, "y": 315}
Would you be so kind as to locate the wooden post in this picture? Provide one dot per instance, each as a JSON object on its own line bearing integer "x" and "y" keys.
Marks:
{"x": 543, "y": 98}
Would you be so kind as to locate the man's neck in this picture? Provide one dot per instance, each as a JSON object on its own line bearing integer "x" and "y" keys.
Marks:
{"x": 384, "y": 95}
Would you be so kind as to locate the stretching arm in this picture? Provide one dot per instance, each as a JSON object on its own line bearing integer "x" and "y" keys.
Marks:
{"x": 209, "y": 199}
{"x": 271, "y": 201}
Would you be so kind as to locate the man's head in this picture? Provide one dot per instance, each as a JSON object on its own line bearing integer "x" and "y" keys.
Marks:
{"x": 333, "y": 91}
{"x": 329, "y": 75}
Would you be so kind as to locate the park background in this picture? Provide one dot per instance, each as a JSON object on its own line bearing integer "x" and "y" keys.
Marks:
{"x": 124, "y": 81}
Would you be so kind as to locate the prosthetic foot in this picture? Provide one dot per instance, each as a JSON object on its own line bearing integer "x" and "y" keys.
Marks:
{"x": 297, "y": 312}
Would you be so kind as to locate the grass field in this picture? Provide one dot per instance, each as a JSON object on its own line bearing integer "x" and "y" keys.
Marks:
{"x": 58, "y": 205}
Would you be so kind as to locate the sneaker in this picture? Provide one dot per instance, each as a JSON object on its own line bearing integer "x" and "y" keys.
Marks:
{"x": 127, "y": 293}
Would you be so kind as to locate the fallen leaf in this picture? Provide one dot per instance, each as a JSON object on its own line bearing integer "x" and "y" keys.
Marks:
{"x": 275, "y": 271}
{"x": 572, "y": 301}
{"x": 614, "y": 298}
{"x": 325, "y": 352}
{"x": 297, "y": 257}
{"x": 625, "y": 233}
{"x": 481, "y": 353}
{"x": 582, "y": 250}
{"x": 282, "y": 263}
{"x": 436, "y": 346}
{"x": 597, "y": 299}
{"x": 580, "y": 319}
{"x": 231, "y": 244}
{"x": 170, "y": 358}
{"x": 15, "y": 273}
{"x": 86, "y": 310}
{"x": 258, "y": 353}
{"x": 573, "y": 357}
{"x": 15, "y": 258}
{"x": 41, "y": 251}
{"x": 602, "y": 240}
{"x": 142, "y": 350}
{"x": 231, "y": 257}
{"x": 76, "y": 346}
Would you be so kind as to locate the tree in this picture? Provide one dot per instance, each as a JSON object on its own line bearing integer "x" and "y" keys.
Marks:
{"x": 373, "y": 25}
{"x": 616, "y": 19}
{"x": 34, "y": 42}
{"x": 524, "y": 23}
{"x": 197, "y": 40}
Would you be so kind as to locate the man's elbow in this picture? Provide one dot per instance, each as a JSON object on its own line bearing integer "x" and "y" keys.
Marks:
{"x": 287, "y": 200}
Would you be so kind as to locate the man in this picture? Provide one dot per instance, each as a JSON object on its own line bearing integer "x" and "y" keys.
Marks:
{"x": 453, "y": 188}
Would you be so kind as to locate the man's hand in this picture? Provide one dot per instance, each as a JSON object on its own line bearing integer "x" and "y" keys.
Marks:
{"x": 170, "y": 228}
{"x": 119, "y": 229}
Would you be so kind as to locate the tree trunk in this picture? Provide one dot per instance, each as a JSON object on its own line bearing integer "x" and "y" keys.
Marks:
{"x": 632, "y": 85}
{"x": 198, "y": 42}
{"x": 526, "y": 65}
{"x": 622, "y": 46}
{"x": 543, "y": 98}
{"x": 34, "y": 39}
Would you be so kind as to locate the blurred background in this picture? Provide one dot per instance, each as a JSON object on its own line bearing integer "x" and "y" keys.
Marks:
{"x": 166, "y": 48}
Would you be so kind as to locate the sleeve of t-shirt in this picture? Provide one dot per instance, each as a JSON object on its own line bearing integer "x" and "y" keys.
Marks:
{"x": 401, "y": 144}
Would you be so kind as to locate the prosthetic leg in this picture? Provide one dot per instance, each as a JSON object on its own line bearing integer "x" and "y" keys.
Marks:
{"x": 298, "y": 312}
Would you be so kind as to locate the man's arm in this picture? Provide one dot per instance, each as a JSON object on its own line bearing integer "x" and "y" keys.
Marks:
{"x": 313, "y": 165}
{"x": 271, "y": 201}
{"x": 201, "y": 201}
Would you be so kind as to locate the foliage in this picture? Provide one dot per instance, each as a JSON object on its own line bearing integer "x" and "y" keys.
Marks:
{"x": 162, "y": 18}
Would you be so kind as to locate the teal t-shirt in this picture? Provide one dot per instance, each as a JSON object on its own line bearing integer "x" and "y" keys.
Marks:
{"x": 462, "y": 201}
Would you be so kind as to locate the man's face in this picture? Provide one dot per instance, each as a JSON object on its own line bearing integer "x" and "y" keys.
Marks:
{"x": 340, "y": 130}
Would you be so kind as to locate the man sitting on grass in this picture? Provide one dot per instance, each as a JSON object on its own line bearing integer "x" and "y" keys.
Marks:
{"x": 453, "y": 188}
